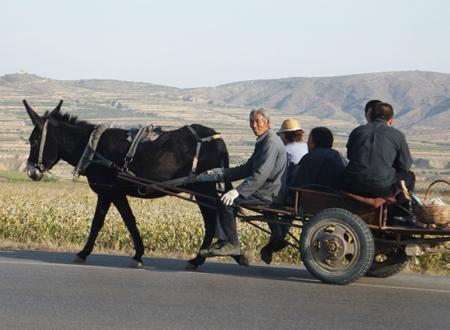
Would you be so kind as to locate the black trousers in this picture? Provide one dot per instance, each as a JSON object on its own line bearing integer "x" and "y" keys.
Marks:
{"x": 227, "y": 216}
{"x": 278, "y": 231}
{"x": 360, "y": 188}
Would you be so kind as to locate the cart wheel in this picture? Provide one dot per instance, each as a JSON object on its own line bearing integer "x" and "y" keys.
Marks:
{"x": 337, "y": 246}
{"x": 388, "y": 261}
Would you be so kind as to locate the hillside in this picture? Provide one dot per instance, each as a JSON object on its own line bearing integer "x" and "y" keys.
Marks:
{"x": 421, "y": 100}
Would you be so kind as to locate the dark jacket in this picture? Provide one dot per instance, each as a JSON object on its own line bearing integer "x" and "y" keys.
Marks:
{"x": 377, "y": 153}
{"x": 321, "y": 166}
{"x": 264, "y": 172}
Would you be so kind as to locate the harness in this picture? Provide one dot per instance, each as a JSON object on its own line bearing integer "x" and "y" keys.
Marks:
{"x": 40, "y": 164}
{"x": 199, "y": 144}
{"x": 90, "y": 155}
{"x": 89, "y": 151}
{"x": 141, "y": 134}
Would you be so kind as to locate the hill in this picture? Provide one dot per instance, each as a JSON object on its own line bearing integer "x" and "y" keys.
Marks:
{"x": 421, "y": 100}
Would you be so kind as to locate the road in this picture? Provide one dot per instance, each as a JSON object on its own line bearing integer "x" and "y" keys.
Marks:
{"x": 44, "y": 290}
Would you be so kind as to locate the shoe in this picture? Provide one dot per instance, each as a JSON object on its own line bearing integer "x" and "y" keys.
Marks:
{"x": 226, "y": 249}
{"x": 407, "y": 221}
{"x": 214, "y": 246}
{"x": 274, "y": 245}
{"x": 266, "y": 253}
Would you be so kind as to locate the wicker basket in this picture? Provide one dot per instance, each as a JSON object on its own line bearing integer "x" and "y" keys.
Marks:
{"x": 434, "y": 214}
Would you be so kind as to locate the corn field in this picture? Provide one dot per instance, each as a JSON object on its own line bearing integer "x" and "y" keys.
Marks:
{"x": 59, "y": 214}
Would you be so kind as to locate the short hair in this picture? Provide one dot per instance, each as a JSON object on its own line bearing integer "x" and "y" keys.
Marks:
{"x": 294, "y": 136}
{"x": 371, "y": 105}
{"x": 383, "y": 111}
{"x": 262, "y": 111}
{"x": 322, "y": 137}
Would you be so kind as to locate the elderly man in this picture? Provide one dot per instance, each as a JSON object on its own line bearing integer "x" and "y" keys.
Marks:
{"x": 264, "y": 181}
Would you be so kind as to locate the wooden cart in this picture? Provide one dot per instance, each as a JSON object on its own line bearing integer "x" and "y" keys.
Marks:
{"x": 343, "y": 239}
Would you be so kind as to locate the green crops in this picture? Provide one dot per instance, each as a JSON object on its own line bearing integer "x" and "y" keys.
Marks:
{"x": 59, "y": 214}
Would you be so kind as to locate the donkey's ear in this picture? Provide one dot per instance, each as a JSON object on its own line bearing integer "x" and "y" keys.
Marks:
{"x": 35, "y": 119}
{"x": 56, "y": 110}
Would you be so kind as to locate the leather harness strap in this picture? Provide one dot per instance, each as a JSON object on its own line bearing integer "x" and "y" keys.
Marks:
{"x": 142, "y": 133}
{"x": 91, "y": 156}
{"x": 40, "y": 164}
{"x": 199, "y": 145}
{"x": 89, "y": 150}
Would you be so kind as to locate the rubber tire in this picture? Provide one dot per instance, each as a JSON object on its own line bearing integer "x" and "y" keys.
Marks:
{"x": 396, "y": 262}
{"x": 362, "y": 234}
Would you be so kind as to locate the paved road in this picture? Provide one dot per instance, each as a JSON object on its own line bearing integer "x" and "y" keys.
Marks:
{"x": 43, "y": 290}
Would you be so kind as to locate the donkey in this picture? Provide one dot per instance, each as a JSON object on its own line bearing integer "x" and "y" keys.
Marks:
{"x": 61, "y": 136}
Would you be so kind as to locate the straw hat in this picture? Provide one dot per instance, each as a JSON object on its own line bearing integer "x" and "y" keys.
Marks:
{"x": 290, "y": 125}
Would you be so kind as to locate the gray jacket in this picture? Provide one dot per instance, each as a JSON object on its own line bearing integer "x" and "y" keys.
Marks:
{"x": 264, "y": 172}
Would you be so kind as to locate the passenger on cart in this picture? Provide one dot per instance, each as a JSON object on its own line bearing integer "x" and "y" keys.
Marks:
{"x": 264, "y": 183}
{"x": 320, "y": 169}
{"x": 291, "y": 134}
{"x": 369, "y": 107}
{"x": 379, "y": 158}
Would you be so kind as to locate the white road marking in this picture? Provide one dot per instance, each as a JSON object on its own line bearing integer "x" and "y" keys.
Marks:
{"x": 400, "y": 287}
{"x": 89, "y": 266}
{"x": 37, "y": 263}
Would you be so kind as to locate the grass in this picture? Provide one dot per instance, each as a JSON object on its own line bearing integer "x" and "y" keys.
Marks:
{"x": 57, "y": 216}
{"x": 14, "y": 176}
{"x": 21, "y": 176}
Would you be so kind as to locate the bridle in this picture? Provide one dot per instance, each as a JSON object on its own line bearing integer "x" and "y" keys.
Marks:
{"x": 40, "y": 165}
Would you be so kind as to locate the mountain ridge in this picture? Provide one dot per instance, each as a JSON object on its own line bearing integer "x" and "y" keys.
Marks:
{"x": 420, "y": 98}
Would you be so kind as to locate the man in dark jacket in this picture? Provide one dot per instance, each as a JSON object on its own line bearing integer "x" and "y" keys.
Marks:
{"x": 322, "y": 165}
{"x": 264, "y": 177}
{"x": 379, "y": 157}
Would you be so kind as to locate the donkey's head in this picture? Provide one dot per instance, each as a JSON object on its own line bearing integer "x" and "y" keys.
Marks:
{"x": 43, "y": 145}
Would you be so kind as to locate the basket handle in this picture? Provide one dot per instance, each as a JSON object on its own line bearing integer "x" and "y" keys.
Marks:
{"x": 429, "y": 188}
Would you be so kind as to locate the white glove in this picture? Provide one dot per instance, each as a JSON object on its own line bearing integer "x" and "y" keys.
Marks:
{"x": 216, "y": 174}
{"x": 229, "y": 197}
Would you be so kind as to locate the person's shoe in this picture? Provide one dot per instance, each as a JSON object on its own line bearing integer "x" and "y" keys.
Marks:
{"x": 207, "y": 252}
{"x": 266, "y": 253}
{"x": 225, "y": 250}
{"x": 407, "y": 221}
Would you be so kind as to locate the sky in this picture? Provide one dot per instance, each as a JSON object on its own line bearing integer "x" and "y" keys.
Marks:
{"x": 199, "y": 43}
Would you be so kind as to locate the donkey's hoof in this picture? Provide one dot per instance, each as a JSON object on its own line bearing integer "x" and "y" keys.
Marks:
{"x": 136, "y": 264}
{"x": 190, "y": 266}
{"x": 244, "y": 259}
{"x": 79, "y": 260}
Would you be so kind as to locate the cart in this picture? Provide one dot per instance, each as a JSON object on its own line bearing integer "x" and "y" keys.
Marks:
{"x": 342, "y": 238}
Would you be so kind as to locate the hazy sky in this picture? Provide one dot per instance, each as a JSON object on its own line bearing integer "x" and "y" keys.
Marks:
{"x": 194, "y": 43}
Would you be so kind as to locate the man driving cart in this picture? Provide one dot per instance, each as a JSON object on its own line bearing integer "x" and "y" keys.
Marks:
{"x": 264, "y": 176}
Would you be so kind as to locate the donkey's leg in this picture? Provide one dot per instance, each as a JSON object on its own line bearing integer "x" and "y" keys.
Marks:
{"x": 210, "y": 221}
{"x": 103, "y": 204}
{"x": 122, "y": 205}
